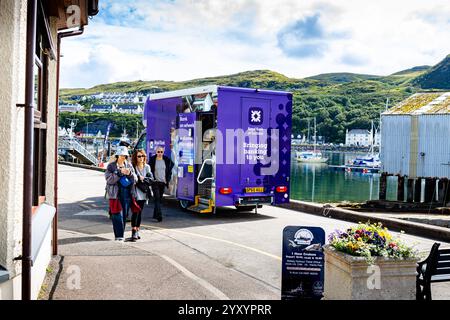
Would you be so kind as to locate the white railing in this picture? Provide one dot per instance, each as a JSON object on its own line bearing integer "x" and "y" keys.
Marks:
{"x": 75, "y": 145}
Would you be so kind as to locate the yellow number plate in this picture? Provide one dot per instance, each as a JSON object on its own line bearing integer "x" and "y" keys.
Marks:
{"x": 254, "y": 190}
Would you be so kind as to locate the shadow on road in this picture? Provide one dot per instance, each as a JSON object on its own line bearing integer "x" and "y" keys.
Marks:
{"x": 91, "y": 216}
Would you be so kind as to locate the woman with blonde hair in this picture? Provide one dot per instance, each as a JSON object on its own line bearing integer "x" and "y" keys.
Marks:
{"x": 143, "y": 174}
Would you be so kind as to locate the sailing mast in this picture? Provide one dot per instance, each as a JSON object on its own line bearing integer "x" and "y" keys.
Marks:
{"x": 371, "y": 139}
{"x": 315, "y": 135}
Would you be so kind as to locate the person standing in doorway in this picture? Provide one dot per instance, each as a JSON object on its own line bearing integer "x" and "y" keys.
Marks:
{"x": 143, "y": 174}
{"x": 161, "y": 167}
{"x": 120, "y": 179}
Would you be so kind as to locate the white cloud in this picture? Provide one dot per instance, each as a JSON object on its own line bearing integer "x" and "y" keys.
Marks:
{"x": 185, "y": 39}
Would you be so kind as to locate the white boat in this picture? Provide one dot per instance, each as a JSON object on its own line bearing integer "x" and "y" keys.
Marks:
{"x": 311, "y": 156}
{"x": 371, "y": 160}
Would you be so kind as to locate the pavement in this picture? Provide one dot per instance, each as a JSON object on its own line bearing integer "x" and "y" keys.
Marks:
{"x": 230, "y": 255}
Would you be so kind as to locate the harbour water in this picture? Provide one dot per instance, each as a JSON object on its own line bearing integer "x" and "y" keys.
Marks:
{"x": 317, "y": 183}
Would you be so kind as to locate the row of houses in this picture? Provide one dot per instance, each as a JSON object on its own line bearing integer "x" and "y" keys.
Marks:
{"x": 110, "y": 108}
{"x": 115, "y": 98}
{"x": 103, "y": 108}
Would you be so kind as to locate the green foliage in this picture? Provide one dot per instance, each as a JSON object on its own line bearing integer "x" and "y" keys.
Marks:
{"x": 100, "y": 121}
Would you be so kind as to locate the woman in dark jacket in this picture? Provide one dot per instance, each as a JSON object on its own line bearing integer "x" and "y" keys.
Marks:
{"x": 161, "y": 167}
{"x": 121, "y": 192}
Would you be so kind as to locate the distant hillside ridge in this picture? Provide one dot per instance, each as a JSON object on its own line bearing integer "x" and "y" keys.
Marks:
{"x": 343, "y": 77}
{"x": 412, "y": 70}
{"x": 339, "y": 101}
{"x": 438, "y": 77}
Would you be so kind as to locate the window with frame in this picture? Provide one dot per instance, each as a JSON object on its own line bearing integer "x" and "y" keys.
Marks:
{"x": 40, "y": 115}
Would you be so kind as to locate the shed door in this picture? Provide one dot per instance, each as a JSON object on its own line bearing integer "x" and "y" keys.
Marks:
{"x": 255, "y": 120}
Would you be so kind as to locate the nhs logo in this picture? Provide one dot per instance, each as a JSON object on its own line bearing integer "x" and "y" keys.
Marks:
{"x": 255, "y": 116}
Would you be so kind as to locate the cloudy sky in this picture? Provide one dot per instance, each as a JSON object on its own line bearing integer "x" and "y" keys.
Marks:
{"x": 187, "y": 39}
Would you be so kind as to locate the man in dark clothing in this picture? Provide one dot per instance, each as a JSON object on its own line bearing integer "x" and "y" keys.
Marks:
{"x": 161, "y": 167}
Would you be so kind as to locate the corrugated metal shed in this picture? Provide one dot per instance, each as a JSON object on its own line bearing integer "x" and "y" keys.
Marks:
{"x": 395, "y": 142}
{"x": 434, "y": 146}
{"x": 416, "y": 136}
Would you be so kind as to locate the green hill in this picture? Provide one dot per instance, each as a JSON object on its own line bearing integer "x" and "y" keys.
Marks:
{"x": 343, "y": 77}
{"x": 438, "y": 77}
{"x": 413, "y": 71}
{"x": 339, "y": 101}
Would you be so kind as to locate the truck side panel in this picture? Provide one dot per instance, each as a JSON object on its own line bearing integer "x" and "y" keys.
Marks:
{"x": 161, "y": 116}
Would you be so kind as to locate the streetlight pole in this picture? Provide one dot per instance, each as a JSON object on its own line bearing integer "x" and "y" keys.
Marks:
{"x": 137, "y": 130}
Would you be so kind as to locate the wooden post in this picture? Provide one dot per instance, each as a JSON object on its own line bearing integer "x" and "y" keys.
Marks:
{"x": 446, "y": 192}
{"x": 442, "y": 186}
{"x": 383, "y": 186}
{"x": 417, "y": 190}
{"x": 401, "y": 188}
{"x": 410, "y": 190}
{"x": 430, "y": 188}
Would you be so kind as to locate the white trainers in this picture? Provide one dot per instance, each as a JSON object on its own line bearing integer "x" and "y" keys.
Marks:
{"x": 119, "y": 239}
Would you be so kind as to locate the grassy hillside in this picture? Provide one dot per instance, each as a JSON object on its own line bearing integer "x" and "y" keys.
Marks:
{"x": 340, "y": 101}
{"x": 437, "y": 77}
{"x": 343, "y": 77}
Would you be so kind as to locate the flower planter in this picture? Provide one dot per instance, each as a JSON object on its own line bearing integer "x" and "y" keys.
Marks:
{"x": 350, "y": 278}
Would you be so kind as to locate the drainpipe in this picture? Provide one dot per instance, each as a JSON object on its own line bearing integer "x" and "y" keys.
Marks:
{"x": 55, "y": 191}
{"x": 28, "y": 150}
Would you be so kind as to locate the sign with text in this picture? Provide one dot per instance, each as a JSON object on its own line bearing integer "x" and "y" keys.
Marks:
{"x": 302, "y": 263}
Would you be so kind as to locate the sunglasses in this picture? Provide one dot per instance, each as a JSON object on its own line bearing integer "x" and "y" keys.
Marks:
{"x": 141, "y": 156}
{"x": 159, "y": 151}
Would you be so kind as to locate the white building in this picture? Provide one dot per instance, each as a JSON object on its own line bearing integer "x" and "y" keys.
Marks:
{"x": 358, "y": 137}
{"x": 28, "y": 202}
{"x": 103, "y": 108}
{"x": 129, "y": 108}
{"x": 70, "y": 107}
{"x": 119, "y": 98}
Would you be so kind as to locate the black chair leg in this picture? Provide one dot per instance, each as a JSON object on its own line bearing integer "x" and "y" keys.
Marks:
{"x": 419, "y": 292}
{"x": 428, "y": 292}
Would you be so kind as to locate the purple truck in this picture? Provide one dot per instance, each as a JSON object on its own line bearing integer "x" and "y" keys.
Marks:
{"x": 231, "y": 146}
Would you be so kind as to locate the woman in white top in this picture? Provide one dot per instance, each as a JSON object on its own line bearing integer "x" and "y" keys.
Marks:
{"x": 142, "y": 170}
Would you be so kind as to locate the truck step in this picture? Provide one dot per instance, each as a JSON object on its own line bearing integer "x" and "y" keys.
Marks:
{"x": 204, "y": 201}
{"x": 201, "y": 208}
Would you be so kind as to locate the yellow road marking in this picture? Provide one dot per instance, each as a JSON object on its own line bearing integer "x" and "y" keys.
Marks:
{"x": 216, "y": 239}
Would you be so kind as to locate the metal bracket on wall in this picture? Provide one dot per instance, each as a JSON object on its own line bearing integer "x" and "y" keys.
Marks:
{"x": 21, "y": 258}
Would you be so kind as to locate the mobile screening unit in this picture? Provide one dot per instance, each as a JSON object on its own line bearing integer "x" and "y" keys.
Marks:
{"x": 231, "y": 146}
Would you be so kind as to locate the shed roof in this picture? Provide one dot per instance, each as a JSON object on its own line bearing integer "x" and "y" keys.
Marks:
{"x": 423, "y": 103}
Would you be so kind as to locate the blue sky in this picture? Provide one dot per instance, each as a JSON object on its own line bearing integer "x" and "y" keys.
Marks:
{"x": 185, "y": 39}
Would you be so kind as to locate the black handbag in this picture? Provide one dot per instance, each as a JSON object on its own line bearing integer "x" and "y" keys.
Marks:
{"x": 144, "y": 187}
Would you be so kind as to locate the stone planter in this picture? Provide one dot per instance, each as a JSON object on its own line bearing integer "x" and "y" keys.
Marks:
{"x": 351, "y": 278}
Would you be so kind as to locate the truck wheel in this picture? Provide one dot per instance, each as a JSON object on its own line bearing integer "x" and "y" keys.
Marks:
{"x": 185, "y": 204}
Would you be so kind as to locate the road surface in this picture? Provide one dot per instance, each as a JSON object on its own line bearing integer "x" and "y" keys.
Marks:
{"x": 229, "y": 255}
